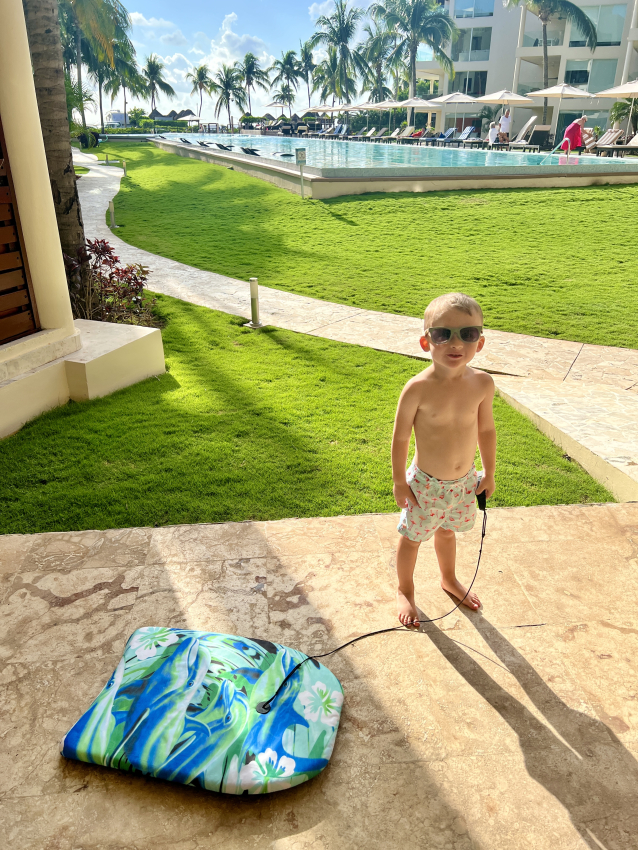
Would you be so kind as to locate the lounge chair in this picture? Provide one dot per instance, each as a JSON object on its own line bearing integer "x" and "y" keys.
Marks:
{"x": 519, "y": 141}
{"x": 282, "y": 153}
{"x": 186, "y": 142}
{"x": 369, "y": 134}
{"x": 302, "y": 130}
{"x": 160, "y": 137}
{"x": 607, "y": 140}
{"x": 379, "y": 135}
{"x": 442, "y": 139}
{"x": 407, "y": 131}
{"x": 393, "y": 135}
{"x": 416, "y": 138}
{"x": 465, "y": 135}
{"x": 538, "y": 139}
{"x": 358, "y": 135}
{"x": 251, "y": 151}
{"x": 203, "y": 144}
{"x": 223, "y": 147}
{"x": 342, "y": 132}
{"x": 619, "y": 150}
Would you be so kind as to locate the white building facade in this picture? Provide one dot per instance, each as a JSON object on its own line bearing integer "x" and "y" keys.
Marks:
{"x": 501, "y": 48}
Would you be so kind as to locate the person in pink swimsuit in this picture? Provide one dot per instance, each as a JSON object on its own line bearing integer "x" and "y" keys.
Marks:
{"x": 573, "y": 137}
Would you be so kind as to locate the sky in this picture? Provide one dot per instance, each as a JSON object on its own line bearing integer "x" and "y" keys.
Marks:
{"x": 188, "y": 33}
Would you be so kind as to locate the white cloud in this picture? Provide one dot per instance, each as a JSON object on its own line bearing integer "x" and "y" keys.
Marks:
{"x": 176, "y": 39}
{"x": 138, "y": 20}
{"x": 318, "y": 9}
{"x": 197, "y": 51}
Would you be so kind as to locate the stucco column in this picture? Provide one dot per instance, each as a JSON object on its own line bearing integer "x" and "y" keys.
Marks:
{"x": 23, "y": 135}
{"x": 630, "y": 45}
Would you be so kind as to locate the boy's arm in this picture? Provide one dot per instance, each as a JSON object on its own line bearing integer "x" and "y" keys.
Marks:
{"x": 487, "y": 439}
{"x": 404, "y": 420}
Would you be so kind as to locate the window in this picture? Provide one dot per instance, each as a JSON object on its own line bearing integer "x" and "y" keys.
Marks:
{"x": 473, "y": 45}
{"x": 473, "y": 8}
{"x": 472, "y": 83}
{"x": 609, "y": 21}
{"x": 591, "y": 75}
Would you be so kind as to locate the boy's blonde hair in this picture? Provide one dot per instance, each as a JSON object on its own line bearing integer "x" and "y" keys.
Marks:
{"x": 453, "y": 300}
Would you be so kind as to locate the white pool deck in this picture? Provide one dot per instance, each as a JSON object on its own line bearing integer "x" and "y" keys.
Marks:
{"x": 585, "y": 397}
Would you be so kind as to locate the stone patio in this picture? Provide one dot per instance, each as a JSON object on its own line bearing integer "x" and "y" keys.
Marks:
{"x": 512, "y": 728}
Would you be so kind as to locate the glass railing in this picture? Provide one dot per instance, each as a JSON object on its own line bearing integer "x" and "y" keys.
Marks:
{"x": 472, "y": 56}
{"x": 535, "y": 39}
{"x": 526, "y": 88}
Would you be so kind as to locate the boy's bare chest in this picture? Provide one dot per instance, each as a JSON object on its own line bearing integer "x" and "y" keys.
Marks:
{"x": 442, "y": 407}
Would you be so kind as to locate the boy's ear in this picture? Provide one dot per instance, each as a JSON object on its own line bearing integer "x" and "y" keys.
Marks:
{"x": 424, "y": 343}
{"x": 481, "y": 343}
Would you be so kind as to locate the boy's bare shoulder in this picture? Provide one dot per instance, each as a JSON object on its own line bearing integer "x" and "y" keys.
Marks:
{"x": 416, "y": 384}
{"x": 483, "y": 379}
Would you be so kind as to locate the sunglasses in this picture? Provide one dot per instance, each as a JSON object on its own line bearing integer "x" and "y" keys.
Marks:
{"x": 439, "y": 336}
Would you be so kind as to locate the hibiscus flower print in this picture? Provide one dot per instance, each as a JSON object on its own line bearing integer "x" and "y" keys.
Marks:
{"x": 265, "y": 773}
{"x": 147, "y": 641}
{"x": 320, "y": 704}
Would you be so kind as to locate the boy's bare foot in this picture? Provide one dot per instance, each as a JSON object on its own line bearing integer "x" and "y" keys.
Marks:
{"x": 456, "y": 589}
{"x": 407, "y": 609}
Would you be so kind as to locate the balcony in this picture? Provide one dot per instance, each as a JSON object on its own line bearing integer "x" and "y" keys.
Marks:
{"x": 526, "y": 88}
{"x": 555, "y": 38}
{"x": 473, "y": 56}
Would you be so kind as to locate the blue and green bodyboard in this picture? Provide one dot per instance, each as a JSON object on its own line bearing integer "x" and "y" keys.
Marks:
{"x": 181, "y": 706}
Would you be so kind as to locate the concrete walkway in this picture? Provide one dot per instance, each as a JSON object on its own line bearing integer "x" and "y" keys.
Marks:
{"x": 512, "y": 728}
{"x": 585, "y": 397}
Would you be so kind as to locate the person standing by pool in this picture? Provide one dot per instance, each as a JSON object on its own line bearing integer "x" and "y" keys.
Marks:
{"x": 504, "y": 127}
{"x": 573, "y": 138}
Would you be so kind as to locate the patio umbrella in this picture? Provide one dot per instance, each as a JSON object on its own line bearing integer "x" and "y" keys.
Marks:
{"x": 560, "y": 91}
{"x": 506, "y": 98}
{"x": 382, "y": 105}
{"x": 455, "y": 98}
{"x": 626, "y": 90}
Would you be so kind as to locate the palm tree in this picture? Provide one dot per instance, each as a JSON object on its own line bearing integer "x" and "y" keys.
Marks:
{"x": 101, "y": 72}
{"x": 545, "y": 10}
{"x": 155, "y": 82}
{"x": 228, "y": 84}
{"x": 126, "y": 76}
{"x": 326, "y": 77}
{"x": 338, "y": 30}
{"x": 306, "y": 65}
{"x": 101, "y": 21}
{"x": 376, "y": 50}
{"x": 285, "y": 70}
{"x": 622, "y": 110}
{"x": 201, "y": 81}
{"x": 286, "y": 96}
{"x": 252, "y": 75}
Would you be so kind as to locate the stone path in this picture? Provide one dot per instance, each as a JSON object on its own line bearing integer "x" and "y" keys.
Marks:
{"x": 531, "y": 744}
{"x": 565, "y": 387}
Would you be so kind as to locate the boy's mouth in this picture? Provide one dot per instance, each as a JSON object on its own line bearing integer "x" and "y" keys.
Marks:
{"x": 453, "y": 356}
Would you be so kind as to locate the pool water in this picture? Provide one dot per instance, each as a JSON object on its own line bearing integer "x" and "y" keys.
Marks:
{"x": 327, "y": 154}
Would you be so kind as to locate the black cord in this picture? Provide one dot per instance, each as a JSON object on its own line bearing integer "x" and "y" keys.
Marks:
{"x": 265, "y": 706}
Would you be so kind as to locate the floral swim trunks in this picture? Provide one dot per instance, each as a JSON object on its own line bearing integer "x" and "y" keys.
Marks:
{"x": 442, "y": 504}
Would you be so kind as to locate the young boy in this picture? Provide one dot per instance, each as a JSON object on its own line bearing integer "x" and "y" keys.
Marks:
{"x": 449, "y": 406}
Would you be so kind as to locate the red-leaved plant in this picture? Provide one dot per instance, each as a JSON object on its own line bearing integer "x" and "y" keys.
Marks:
{"x": 103, "y": 289}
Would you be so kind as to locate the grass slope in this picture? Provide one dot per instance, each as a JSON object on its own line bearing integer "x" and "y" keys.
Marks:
{"x": 551, "y": 262}
{"x": 246, "y": 425}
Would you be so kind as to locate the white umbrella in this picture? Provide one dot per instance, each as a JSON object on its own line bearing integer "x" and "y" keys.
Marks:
{"x": 506, "y": 98}
{"x": 626, "y": 90}
{"x": 455, "y": 98}
{"x": 382, "y": 105}
{"x": 560, "y": 91}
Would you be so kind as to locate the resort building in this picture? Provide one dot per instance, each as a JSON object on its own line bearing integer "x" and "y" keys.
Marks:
{"x": 502, "y": 48}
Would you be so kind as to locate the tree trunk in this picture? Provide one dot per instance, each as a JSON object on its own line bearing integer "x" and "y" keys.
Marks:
{"x": 412, "y": 89}
{"x": 545, "y": 70}
{"x": 308, "y": 85}
{"x": 124, "y": 91}
{"x": 99, "y": 86}
{"x": 43, "y": 29}
{"x": 250, "y": 106}
{"x": 78, "y": 58}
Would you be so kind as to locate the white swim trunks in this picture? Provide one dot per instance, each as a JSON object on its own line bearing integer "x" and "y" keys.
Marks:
{"x": 442, "y": 504}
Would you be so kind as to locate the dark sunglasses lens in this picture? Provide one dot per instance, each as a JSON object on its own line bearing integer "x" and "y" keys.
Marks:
{"x": 470, "y": 334}
{"x": 440, "y": 335}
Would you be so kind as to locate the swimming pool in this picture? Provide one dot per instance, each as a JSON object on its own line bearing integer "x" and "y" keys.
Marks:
{"x": 336, "y": 168}
{"x": 329, "y": 154}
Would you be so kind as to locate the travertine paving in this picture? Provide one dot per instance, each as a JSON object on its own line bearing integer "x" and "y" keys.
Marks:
{"x": 574, "y": 379}
{"x": 515, "y": 727}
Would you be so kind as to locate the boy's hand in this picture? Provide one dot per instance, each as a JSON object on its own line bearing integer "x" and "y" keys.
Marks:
{"x": 487, "y": 486}
{"x": 403, "y": 494}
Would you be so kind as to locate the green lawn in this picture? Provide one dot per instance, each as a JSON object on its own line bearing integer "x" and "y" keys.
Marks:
{"x": 245, "y": 425}
{"x": 555, "y": 263}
